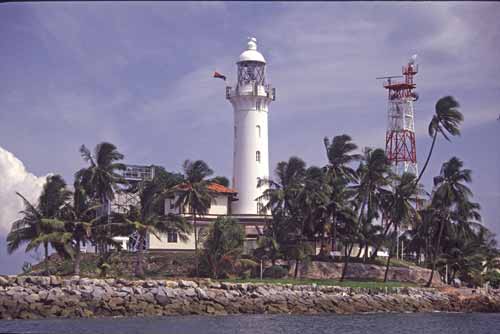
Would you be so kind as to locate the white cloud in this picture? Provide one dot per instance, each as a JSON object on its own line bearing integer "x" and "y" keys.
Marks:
{"x": 15, "y": 178}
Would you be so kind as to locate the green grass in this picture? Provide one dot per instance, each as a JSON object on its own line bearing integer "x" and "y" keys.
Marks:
{"x": 350, "y": 284}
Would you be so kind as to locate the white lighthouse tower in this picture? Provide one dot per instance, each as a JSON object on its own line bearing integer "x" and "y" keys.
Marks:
{"x": 250, "y": 99}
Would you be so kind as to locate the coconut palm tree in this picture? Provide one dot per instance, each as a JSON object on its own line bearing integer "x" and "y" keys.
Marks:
{"x": 402, "y": 200}
{"x": 36, "y": 227}
{"x": 100, "y": 181}
{"x": 339, "y": 174}
{"x": 147, "y": 218}
{"x": 450, "y": 191}
{"x": 194, "y": 194}
{"x": 280, "y": 196}
{"x": 375, "y": 176}
{"x": 78, "y": 219}
{"x": 224, "y": 245}
{"x": 446, "y": 121}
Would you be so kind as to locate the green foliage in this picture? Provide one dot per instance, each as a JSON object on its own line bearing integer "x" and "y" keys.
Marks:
{"x": 224, "y": 246}
{"x": 275, "y": 272}
{"x": 493, "y": 277}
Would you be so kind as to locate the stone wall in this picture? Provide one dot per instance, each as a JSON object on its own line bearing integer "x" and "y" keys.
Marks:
{"x": 361, "y": 271}
{"x": 31, "y": 297}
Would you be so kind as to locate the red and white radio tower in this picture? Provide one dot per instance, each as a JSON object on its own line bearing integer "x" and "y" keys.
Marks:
{"x": 400, "y": 136}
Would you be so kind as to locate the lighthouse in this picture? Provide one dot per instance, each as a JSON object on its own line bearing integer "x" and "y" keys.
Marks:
{"x": 250, "y": 98}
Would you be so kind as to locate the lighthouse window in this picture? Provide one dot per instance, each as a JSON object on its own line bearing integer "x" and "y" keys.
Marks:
{"x": 257, "y": 156}
{"x": 258, "y": 130}
{"x": 235, "y": 136}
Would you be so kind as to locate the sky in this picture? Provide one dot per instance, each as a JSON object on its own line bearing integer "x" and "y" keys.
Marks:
{"x": 139, "y": 75}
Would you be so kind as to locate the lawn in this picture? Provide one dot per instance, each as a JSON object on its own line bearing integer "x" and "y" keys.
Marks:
{"x": 351, "y": 284}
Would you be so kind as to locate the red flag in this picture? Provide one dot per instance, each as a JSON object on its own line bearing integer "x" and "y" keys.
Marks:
{"x": 220, "y": 76}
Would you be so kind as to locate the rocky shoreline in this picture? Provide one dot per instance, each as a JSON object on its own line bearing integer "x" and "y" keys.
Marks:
{"x": 35, "y": 297}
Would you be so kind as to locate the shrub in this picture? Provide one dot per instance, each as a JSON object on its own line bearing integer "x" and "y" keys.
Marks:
{"x": 275, "y": 272}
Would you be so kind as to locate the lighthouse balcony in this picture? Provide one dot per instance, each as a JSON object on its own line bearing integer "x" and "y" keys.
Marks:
{"x": 251, "y": 90}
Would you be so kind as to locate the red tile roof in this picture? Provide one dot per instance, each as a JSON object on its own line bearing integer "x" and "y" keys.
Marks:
{"x": 218, "y": 188}
{"x": 214, "y": 187}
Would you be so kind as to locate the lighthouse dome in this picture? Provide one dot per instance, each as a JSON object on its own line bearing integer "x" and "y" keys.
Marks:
{"x": 251, "y": 53}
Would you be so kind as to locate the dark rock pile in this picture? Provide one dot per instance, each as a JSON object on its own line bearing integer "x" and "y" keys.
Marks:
{"x": 31, "y": 297}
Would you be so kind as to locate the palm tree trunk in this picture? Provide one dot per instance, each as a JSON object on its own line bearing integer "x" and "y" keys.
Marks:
{"x": 296, "y": 273}
{"x": 46, "y": 250}
{"x": 427, "y": 160}
{"x": 76, "y": 268}
{"x": 436, "y": 250}
{"x": 361, "y": 246}
{"x": 347, "y": 255}
{"x": 196, "y": 245}
{"x": 139, "y": 269}
{"x": 388, "y": 264}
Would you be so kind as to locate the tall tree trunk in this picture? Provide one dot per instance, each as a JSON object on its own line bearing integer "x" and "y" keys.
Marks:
{"x": 196, "y": 245}
{"x": 139, "y": 268}
{"x": 365, "y": 255}
{"x": 347, "y": 255}
{"x": 427, "y": 160}
{"x": 361, "y": 245}
{"x": 296, "y": 273}
{"x": 334, "y": 235}
{"x": 76, "y": 268}
{"x": 46, "y": 251}
{"x": 436, "y": 250}
{"x": 388, "y": 264}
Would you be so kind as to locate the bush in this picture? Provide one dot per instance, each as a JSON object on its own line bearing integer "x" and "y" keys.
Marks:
{"x": 493, "y": 277}
{"x": 275, "y": 272}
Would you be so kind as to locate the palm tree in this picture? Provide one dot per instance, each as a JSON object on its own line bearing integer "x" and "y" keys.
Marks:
{"x": 194, "y": 194}
{"x": 281, "y": 198}
{"x": 402, "y": 202}
{"x": 224, "y": 245}
{"x": 78, "y": 220}
{"x": 148, "y": 218}
{"x": 450, "y": 190}
{"x": 445, "y": 121}
{"x": 100, "y": 181}
{"x": 339, "y": 173}
{"x": 37, "y": 225}
{"x": 375, "y": 176}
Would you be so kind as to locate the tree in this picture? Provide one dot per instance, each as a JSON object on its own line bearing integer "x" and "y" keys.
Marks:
{"x": 446, "y": 121}
{"x": 222, "y": 180}
{"x": 195, "y": 195}
{"x": 78, "y": 219}
{"x": 100, "y": 181}
{"x": 339, "y": 174}
{"x": 375, "y": 176}
{"x": 402, "y": 200}
{"x": 450, "y": 192}
{"x": 147, "y": 218}
{"x": 224, "y": 245}
{"x": 36, "y": 227}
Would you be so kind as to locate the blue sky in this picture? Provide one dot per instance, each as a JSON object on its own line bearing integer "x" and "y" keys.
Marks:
{"x": 139, "y": 75}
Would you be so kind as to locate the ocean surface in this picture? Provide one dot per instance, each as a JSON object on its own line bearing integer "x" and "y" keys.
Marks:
{"x": 428, "y": 323}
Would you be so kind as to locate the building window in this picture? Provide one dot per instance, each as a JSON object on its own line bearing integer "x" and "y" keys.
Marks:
{"x": 172, "y": 204}
{"x": 257, "y": 156}
{"x": 258, "y": 130}
{"x": 172, "y": 236}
